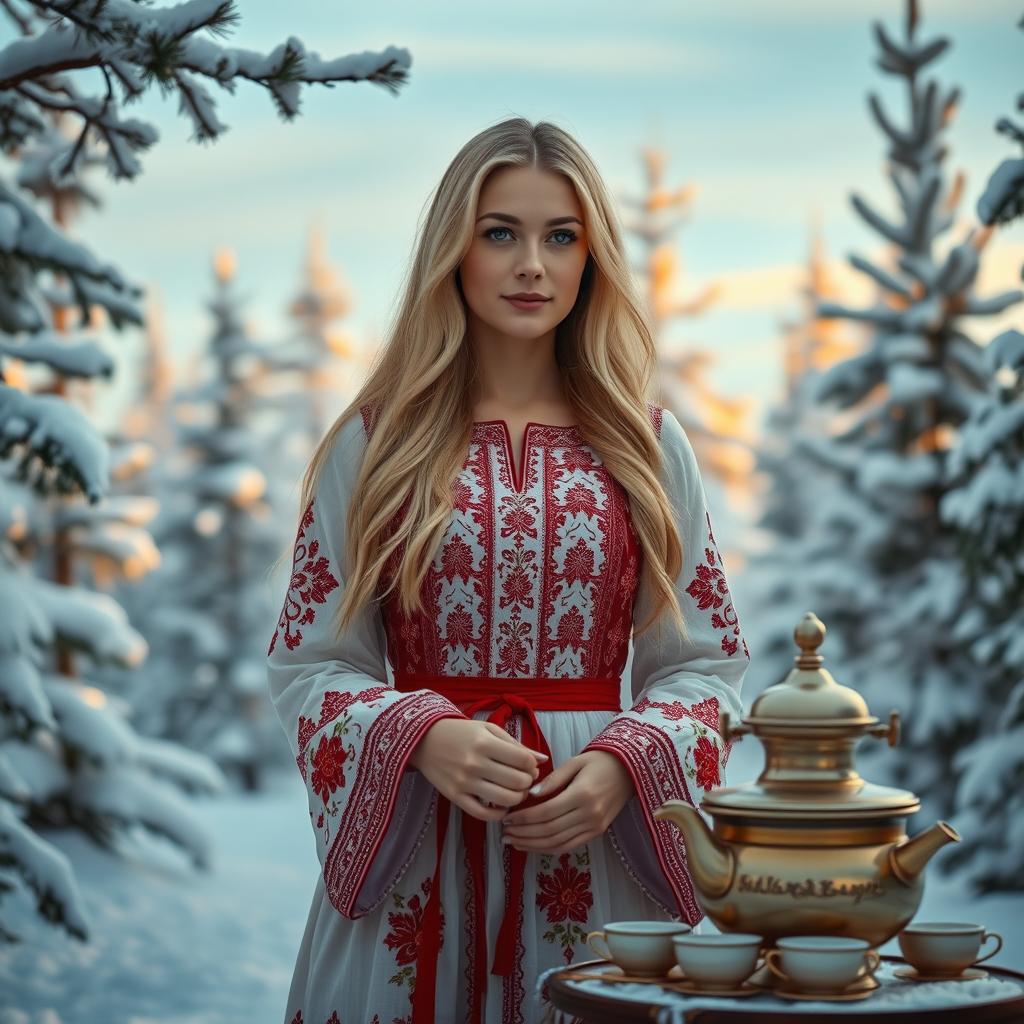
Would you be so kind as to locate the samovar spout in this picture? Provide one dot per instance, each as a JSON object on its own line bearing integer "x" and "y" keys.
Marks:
{"x": 712, "y": 864}
{"x": 908, "y": 859}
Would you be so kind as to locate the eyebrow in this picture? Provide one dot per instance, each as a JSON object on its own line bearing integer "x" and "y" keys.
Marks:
{"x": 509, "y": 219}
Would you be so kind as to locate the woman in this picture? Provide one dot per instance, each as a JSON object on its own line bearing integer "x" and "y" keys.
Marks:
{"x": 489, "y": 517}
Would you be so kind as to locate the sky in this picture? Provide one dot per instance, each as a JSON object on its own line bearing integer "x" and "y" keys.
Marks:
{"x": 762, "y": 107}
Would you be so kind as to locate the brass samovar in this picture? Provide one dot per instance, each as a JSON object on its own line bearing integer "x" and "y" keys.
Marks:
{"x": 810, "y": 847}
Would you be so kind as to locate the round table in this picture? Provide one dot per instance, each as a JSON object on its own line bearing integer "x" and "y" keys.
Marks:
{"x": 597, "y": 1002}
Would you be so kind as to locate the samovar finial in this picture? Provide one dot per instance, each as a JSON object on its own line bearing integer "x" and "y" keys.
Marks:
{"x": 809, "y": 635}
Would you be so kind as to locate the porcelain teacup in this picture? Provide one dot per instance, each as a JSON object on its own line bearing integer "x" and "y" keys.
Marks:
{"x": 945, "y": 947}
{"x": 643, "y": 948}
{"x": 717, "y": 961}
{"x": 821, "y": 963}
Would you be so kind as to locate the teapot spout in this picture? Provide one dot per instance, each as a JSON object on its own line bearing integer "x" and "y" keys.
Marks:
{"x": 909, "y": 859}
{"x": 712, "y": 864}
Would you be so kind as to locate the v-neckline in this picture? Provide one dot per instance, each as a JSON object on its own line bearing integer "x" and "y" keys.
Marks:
{"x": 568, "y": 433}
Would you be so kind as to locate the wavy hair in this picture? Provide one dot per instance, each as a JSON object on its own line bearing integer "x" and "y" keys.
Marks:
{"x": 419, "y": 384}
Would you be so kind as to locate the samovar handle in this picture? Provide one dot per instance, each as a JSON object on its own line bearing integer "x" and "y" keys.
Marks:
{"x": 890, "y": 731}
{"x": 730, "y": 732}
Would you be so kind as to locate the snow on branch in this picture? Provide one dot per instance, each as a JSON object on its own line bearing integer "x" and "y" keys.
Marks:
{"x": 53, "y": 432}
{"x": 28, "y": 241}
{"x": 91, "y": 622}
{"x": 194, "y": 773}
{"x": 46, "y": 870}
{"x": 71, "y": 358}
{"x": 136, "y": 45}
{"x": 24, "y": 630}
{"x": 140, "y": 799}
{"x": 90, "y": 729}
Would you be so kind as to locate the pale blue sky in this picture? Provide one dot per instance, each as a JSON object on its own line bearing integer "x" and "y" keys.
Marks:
{"x": 761, "y": 105}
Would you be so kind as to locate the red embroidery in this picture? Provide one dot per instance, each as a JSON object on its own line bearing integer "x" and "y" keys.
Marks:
{"x": 328, "y": 766}
{"x": 334, "y": 704}
{"x": 564, "y": 895}
{"x": 311, "y": 582}
{"x": 705, "y": 755}
{"x": 710, "y": 589}
{"x": 406, "y": 933}
{"x": 675, "y": 710}
{"x": 705, "y": 770}
{"x": 531, "y": 580}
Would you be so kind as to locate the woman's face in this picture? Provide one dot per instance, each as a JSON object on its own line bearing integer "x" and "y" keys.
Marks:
{"x": 528, "y": 237}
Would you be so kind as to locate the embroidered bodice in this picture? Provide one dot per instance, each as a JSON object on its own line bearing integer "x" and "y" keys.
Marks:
{"x": 534, "y": 576}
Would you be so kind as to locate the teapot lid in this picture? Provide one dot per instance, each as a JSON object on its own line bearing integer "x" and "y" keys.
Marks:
{"x": 809, "y": 725}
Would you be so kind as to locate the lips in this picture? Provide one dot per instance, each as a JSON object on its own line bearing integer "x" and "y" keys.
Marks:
{"x": 525, "y": 304}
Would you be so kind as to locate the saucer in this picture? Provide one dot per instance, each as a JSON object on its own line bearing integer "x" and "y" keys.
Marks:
{"x": 688, "y": 987}
{"x": 859, "y": 989}
{"x": 591, "y": 970}
{"x": 967, "y": 974}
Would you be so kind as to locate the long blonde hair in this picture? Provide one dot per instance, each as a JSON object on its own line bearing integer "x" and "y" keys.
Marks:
{"x": 419, "y": 386}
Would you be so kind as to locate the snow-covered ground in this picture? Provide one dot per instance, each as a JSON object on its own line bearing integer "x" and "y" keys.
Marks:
{"x": 170, "y": 946}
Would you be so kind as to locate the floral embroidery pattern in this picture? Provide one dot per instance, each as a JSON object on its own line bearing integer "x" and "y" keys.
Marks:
{"x": 702, "y": 762}
{"x": 328, "y": 766}
{"x": 564, "y": 895}
{"x": 705, "y": 756}
{"x": 710, "y": 589}
{"x": 406, "y": 933}
{"x": 310, "y": 584}
{"x": 334, "y": 703}
{"x": 675, "y": 710}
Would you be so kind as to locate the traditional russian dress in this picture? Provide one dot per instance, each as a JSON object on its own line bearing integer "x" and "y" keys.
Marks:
{"x": 530, "y": 602}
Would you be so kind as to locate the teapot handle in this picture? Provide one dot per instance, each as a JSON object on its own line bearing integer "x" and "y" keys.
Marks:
{"x": 890, "y": 731}
{"x": 730, "y": 732}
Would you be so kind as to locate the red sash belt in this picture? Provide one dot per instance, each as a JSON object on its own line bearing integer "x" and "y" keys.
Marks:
{"x": 507, "y": 696}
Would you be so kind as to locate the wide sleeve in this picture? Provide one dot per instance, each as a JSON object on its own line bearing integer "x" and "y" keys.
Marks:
{"x": 351, "y": 732}
{"x": 669, "y": 738}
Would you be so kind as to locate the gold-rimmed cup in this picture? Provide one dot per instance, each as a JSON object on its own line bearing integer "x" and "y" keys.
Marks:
{"x": 946, "y": 948}
{"x": 641, "y": 948}
{"x": 717, "y": 961}
{"x": 821, "y": 963}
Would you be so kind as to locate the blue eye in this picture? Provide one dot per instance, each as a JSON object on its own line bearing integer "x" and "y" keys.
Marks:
{"x": 561, "y": 231}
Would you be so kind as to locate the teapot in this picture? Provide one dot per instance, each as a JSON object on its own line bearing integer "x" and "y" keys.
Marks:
{"x": 810, "y": 847}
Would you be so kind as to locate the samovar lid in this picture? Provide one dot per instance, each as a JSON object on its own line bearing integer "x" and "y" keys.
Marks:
{"x": 809, "y": 693}
{"x": 809, "y": 725}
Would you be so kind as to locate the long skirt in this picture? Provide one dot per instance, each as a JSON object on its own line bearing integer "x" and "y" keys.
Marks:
{"x": 363, "y": 971}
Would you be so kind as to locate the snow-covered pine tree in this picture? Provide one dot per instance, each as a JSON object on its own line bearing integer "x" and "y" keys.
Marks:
{"x": 985, "y": 503}
{"x": 910, "y": 390}
{"x": 791, "y": 563}
{"x": 309, "y": 369}
{"x": 66, "y": 755}
{"x": 210, "y": 604}
{"x": 716, "y": 424}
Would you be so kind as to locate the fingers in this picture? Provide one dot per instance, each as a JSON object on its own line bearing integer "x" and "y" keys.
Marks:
{"x": 563, "y": 842}
{"x": 472, "y": 805}
{"x": 499, "y": 733}
{"x": 509, "y": 778}
{"x": 484, "y": 790}
{"x": 548, "y": 829}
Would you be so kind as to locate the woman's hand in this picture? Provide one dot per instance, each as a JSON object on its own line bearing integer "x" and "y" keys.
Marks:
{"x": 475, "y": 764}
{"x": 599, "y": 785}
